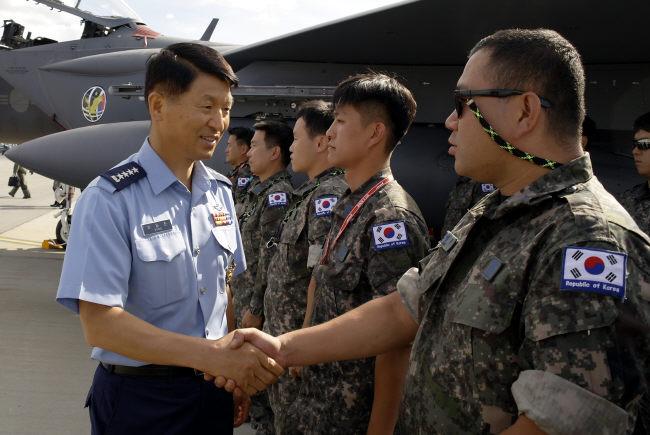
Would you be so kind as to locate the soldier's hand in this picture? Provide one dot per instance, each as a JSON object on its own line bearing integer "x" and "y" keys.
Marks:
{"x": 242, "y": 404}
{"x": 266, "y": 343}
{"x": 248, "y": 367}
{"x": 251, "y": 320}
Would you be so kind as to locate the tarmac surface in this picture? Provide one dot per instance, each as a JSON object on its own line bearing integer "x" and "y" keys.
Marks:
{"x": 45, "y": 365}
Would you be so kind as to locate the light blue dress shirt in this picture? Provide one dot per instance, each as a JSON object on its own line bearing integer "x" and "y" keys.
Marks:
{"x": 155, "y": 249}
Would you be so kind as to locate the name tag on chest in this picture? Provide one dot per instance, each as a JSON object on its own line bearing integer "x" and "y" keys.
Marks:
{"x": 157, "y": 227}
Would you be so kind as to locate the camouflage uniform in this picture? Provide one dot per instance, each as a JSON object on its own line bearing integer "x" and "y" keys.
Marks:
{"x": 264, "y": 208}
{"x": 499, "y": 337}
{"x": 337, "y": 397}
{"x": 299, "y": 247}
{"x": 465, "y": 194}
{"x": 637, "y": 202}
{"x": 241, "y": 178}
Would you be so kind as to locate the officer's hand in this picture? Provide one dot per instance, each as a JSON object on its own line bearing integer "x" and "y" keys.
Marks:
{"x": 242, "y": 406}
{"x": 251, "y": 320}
{"x": 247, "y": 366}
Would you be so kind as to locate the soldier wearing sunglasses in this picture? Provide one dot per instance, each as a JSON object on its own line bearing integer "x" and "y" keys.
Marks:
{"x": 637, "y": 199}
{"x": 532, "y": 314}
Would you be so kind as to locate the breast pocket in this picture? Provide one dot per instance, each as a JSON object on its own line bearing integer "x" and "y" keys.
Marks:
{"x": 161, "y": 277}
{"x": 226, "y": 237}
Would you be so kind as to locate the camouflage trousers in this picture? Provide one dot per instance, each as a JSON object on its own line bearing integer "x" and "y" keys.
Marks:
{"x": 281, "y": 395}
{"x": 261, "y": 414}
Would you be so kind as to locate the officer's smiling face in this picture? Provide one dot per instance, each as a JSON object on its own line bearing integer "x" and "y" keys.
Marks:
{"x": 476, "y": 155}
{"x": 193, "y": 123}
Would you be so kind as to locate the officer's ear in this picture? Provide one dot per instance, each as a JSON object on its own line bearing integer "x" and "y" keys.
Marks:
{"x": 156, "y": 104}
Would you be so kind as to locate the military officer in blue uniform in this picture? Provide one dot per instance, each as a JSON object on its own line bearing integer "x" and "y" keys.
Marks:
{"x": 147, "y": 261}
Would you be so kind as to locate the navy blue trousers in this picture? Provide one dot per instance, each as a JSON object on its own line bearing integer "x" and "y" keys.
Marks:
{"x": 126, "y": 405}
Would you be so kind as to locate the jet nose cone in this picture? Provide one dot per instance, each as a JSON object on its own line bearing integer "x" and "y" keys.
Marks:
{"x": 77, "y": 156}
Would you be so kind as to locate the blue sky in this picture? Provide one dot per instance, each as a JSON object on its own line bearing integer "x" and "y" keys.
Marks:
{"x": 241, "y": 21}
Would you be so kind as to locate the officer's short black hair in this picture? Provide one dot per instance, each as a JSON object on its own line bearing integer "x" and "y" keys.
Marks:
{"x": 377, "y": 95}
{"x": 642, "y": 123}
{"x": 317, "y": 116}
{"x": 277, "y": 133}
{"x": 174, "y": 69}
{"x": 542, "y": 61}
{"x": 243, "y": 135}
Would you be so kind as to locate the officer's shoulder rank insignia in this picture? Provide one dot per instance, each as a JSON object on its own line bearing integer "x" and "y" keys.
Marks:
{"x": 220, "y": 217}
{"x": 324, "y": 205}
{"x": 243, "y": 181}
{"x": 594, "y": 271}
{"x": 390, "y": 235}
{"x": 124, "y": 175}
{"x": 277, "y": 199}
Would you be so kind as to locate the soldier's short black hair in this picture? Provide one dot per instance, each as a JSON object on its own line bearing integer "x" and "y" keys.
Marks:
{"x": 317, "y": 115}
{"x": 542, "y": 61}
{"x": 277, "y": 133}
{"x": 243, "y": 135}
{"x": 174, "y": 68}
{"x": 377, "y": 95}
{"x": 642, "y": 123}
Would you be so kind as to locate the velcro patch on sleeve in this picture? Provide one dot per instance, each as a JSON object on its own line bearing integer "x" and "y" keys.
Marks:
{"x": 594, "y": 271}
{"x": 390, "y": 235}
{"x": 243, "y": 181}
{"x": 277, "y": 199}
{"x": 325, "y": 205}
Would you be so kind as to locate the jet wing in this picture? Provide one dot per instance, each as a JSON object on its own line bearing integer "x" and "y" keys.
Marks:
{"x": 441, "y": 32}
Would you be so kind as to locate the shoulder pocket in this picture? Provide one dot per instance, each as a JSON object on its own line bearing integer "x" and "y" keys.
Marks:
{"x": 160, "y": 248}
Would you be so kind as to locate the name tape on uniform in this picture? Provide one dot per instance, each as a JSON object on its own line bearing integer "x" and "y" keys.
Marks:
{"x": 390, "y": 235}
{"x": 325, "y": 205}
{"x": 277, "y": 199}
{"x": 594, "y": 270}
{"x": 157, "y": 227}
{"x": 243, "y": 181}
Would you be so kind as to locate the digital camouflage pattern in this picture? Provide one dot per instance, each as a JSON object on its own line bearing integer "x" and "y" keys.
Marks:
{"x": 478, "y": 336}
{"x": 289, "y": 273}
{"x": 337, "y": 397}
{"x": 637, "y": 202}
{"x": 465, "y": 194}
{"x": 258, "y": 223}
{"x": 239, "y": 189}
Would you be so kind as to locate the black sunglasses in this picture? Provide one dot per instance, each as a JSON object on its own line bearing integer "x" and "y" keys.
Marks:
{"x": 462, "y": 96}
{"x": 641, "y": 144}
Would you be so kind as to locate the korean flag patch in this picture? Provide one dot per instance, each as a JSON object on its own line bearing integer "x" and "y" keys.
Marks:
{"x": 243, "y": 181}
{"x": 277, "y": 199}
{"x": 325, "y": 205}
{"x": 594, "y": 271}
{"x": 390, "y": 235}
{"x": 487, "y": 188}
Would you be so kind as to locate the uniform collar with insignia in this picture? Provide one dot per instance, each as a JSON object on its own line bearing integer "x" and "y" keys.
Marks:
{"x": 575, "y": 172}
{"x": 368, "y": 184}
{"x": 161, "y": 177}
{"x": 262, "y": 186}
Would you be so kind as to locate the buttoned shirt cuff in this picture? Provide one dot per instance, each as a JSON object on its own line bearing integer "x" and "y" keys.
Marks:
{"x": 558, "y": 406}
{"x": 410, "y": 293}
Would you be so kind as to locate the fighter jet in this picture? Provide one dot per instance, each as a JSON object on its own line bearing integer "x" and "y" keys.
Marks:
{"x": 90, "y": 90}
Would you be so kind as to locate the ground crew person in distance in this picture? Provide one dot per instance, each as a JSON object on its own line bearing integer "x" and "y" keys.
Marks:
{"x": 532, "y": 314}
{"x": 266, "y": 203}
{"x": 300, "y": 242}
{"x": 637, "y": 199}
{"x": 146, "y": 258}
{"x": 377, "y": 233}
{"x": 239, "y": 142}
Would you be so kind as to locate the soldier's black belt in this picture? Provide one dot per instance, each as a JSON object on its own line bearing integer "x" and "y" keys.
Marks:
{"x": 152, "y": 370}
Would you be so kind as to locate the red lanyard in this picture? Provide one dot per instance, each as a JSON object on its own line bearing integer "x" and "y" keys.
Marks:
{"x": 353, "y": 213}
